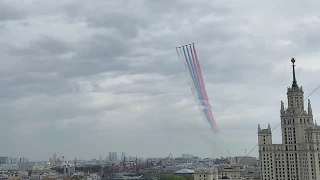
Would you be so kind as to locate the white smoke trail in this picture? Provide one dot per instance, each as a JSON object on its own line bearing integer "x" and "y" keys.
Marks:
{"x": 191, "y": 84}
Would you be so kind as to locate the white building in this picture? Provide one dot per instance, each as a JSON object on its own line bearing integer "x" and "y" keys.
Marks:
{"x": 298, "y": 157}
{"x": 24, "y": 160}
{"x": 224, "y": 171}
{"x": 14, "y": 160}
{"x": 10, "y": 160}
{"x": 227, "y": 171}
{"x": 206, "y": 173}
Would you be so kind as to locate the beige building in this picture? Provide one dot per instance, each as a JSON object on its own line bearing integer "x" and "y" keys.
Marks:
{"x": 206, "y": 173}
{"x": 298, "y": 157}
{"x": 224, "y": 171}
{"x": 227, "y": 171}
{"x": 244, "y": 160}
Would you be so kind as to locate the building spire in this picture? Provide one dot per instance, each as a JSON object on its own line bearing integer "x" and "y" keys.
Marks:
{"x": 309, "y": 107}
{"x": 282, "y": 106}
{"x": 294, "y": 82}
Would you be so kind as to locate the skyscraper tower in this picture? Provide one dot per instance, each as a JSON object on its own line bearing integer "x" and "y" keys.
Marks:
{"x": 75, "y": 165}
{"x": 54, "y": 159}
{"x": 298, "y": 157}
{"x": 113, "y": 156}
{"x": 123, "y": 155}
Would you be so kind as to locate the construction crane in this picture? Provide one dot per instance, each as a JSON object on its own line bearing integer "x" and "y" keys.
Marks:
{"x": 229, "y": 153}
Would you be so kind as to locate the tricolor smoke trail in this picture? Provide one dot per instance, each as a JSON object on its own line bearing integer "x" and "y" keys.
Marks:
{"x": 188, "y": 55}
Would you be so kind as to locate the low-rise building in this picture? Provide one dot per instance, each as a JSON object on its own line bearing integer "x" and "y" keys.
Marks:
{"x": 227, "y": 171}
{"x": 206, "y": 173}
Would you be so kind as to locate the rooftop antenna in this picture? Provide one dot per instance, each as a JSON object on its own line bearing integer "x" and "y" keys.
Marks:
{"x": 294, "y": 82}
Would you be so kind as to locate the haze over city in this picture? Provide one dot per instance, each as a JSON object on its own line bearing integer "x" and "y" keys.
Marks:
{"x": 84, "y": 79}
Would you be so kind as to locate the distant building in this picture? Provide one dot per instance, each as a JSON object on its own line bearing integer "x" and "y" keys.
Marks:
{"x": 54, "y": 159}
{"x": 10, "y": 160}
{"x": 123, "y": 155}
{"x": 26, "y": 166}
{"x": 251, "y": 173}
{"x": 3, "y": 160}
{"x": 221, "y": 161}
{"x": 128, "y": 176}
{"x": 206, "y": 173}
{"x": 228, "y": 171}
{"x": 113, "y": 156}
{"x": 184, "y": 171}
{"x": 245, "y": 160}
{"x": 14, "y": 160}
{"x": 186, "y": 156}
{"x": 22, "y": 160}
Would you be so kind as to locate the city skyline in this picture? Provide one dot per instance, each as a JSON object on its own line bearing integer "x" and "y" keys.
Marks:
{"x": 86, "y": 80}
{"x": 60, "y": 157}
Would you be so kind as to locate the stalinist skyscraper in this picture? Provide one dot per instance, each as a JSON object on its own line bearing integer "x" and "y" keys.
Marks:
{"x": 298, "y": 157}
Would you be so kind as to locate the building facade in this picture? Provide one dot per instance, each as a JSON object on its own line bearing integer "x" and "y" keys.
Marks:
{"x": 206, "y": 173}
{"x": 298, "y": 157}
{"x": 245, "y": 160}
{"x": 3, "y": 160}
{"x": 227, "y": 171}
{"x": 186, "y": 156}
{"x": 224, "y": 171}
{"x": 10, "y": 160}
{"x": 113, "y": 156}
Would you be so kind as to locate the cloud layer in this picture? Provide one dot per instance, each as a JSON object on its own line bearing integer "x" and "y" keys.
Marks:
{"x": 85, "y": 79}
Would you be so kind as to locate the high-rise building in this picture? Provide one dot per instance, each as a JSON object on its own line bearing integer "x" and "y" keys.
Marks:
{"x": 113, "y": 156}
{"x": 54, "y": 159}
{"x": 10, "y": 160}
{"x": 186, "y": 156}
{"x": 3, "y": 160}
{"x": 123, "y": 156}
{"x": 298, "y": 157}
{"x": 14, "y": 160}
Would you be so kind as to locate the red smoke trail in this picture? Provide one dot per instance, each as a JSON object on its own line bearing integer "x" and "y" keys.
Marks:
{"x": 203, "y": 88}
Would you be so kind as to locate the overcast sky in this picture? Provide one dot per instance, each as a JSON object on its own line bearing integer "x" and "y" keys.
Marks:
{"x": 88, "y": 77}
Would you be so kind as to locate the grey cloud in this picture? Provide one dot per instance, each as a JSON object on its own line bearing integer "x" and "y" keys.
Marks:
{"x": 59, "y": 108}
{"x": 10, "y": 12}
{"x": 126, "y": 23}
{"x": 91, "y": 56}
{"x": 28, "y": 84}
{"x": 102, "y": 47}
{"x": 45, "y": 46}
{"x": 305, "y": 36}
{"x": 121, "y": 80}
